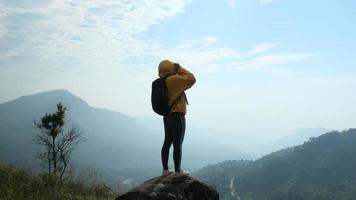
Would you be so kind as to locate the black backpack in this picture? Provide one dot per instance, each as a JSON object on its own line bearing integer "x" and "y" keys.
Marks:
{"x": 159, "y": 98}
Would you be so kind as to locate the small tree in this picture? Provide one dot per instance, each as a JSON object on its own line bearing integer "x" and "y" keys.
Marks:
{"x": 58, "y": 143}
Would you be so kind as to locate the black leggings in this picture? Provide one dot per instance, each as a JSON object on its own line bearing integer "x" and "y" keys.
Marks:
{"x": 174, "y": 129}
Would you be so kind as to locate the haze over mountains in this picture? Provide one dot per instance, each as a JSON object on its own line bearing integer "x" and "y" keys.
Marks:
{"x": 115, "y": 142}
{"x": 122, "y": 147}
{"x": 110, "y": 136}
{"x": 298, "y": 138}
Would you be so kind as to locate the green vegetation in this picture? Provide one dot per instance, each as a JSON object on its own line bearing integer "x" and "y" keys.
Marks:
{"x": 57, "y": 143}
{"x": 18, "y": 184}
{"x": 324, "y": 168}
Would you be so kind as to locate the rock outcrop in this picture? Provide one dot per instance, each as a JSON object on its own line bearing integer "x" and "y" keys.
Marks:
{"x": 172, "y": 187}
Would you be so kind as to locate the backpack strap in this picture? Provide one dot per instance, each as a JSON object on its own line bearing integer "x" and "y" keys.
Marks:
{"x": 174, "y": 102}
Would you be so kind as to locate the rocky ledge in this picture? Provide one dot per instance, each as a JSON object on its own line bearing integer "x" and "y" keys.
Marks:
{"x": 172, "y": 187}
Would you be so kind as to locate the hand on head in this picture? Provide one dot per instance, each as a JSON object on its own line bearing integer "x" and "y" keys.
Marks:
{"x": 176, "y": 67}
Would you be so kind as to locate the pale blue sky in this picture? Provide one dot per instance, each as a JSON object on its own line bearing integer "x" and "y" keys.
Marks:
{"x": 264, "y": 67}
{"x": 324, "y": 28}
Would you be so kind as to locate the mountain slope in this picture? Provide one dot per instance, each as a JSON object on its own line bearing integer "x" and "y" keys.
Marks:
{"x": 113, "y": 140}
{"x": 322, "y": 168}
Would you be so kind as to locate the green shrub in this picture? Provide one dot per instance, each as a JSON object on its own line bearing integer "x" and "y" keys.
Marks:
{"x": 19, "y": 185}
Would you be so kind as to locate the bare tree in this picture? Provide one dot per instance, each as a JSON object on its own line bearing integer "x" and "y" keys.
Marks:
{"x": 58, "y": 143}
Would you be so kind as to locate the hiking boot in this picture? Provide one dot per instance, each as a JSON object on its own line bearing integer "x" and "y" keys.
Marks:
{"x": 182, "y": 172}
{"x": 166, "y": 172}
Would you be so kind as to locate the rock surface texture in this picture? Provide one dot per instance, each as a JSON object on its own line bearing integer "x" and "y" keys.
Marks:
{"x": 172, "y": 187}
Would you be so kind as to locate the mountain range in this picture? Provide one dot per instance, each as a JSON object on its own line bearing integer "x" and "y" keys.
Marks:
{"x": 322, "y": 168}
{"x": 116, "y": 143}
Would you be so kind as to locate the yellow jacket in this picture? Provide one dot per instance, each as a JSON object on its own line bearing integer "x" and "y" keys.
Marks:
{"x": 176, "y": 84}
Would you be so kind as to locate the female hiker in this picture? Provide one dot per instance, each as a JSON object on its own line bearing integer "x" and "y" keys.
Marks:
{"x": 178, "y": 80}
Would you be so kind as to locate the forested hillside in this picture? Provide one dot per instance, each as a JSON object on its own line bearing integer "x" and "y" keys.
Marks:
{"x": 322, "y": 168}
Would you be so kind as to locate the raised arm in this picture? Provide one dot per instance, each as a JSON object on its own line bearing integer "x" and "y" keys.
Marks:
{"x": 183, "y": 80}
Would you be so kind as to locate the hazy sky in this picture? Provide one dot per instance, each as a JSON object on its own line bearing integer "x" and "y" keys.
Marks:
{"x": 263, "y": 67}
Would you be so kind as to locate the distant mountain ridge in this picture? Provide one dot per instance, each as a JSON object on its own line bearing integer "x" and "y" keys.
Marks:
{"x": 321, "y": 168}
{"x": 109, "y": 134}
{"x": 116, "y": 142}
{"x": 298, "y": 138}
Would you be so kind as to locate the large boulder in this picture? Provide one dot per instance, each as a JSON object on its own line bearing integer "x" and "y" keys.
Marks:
{"x": 172, "y": 187}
